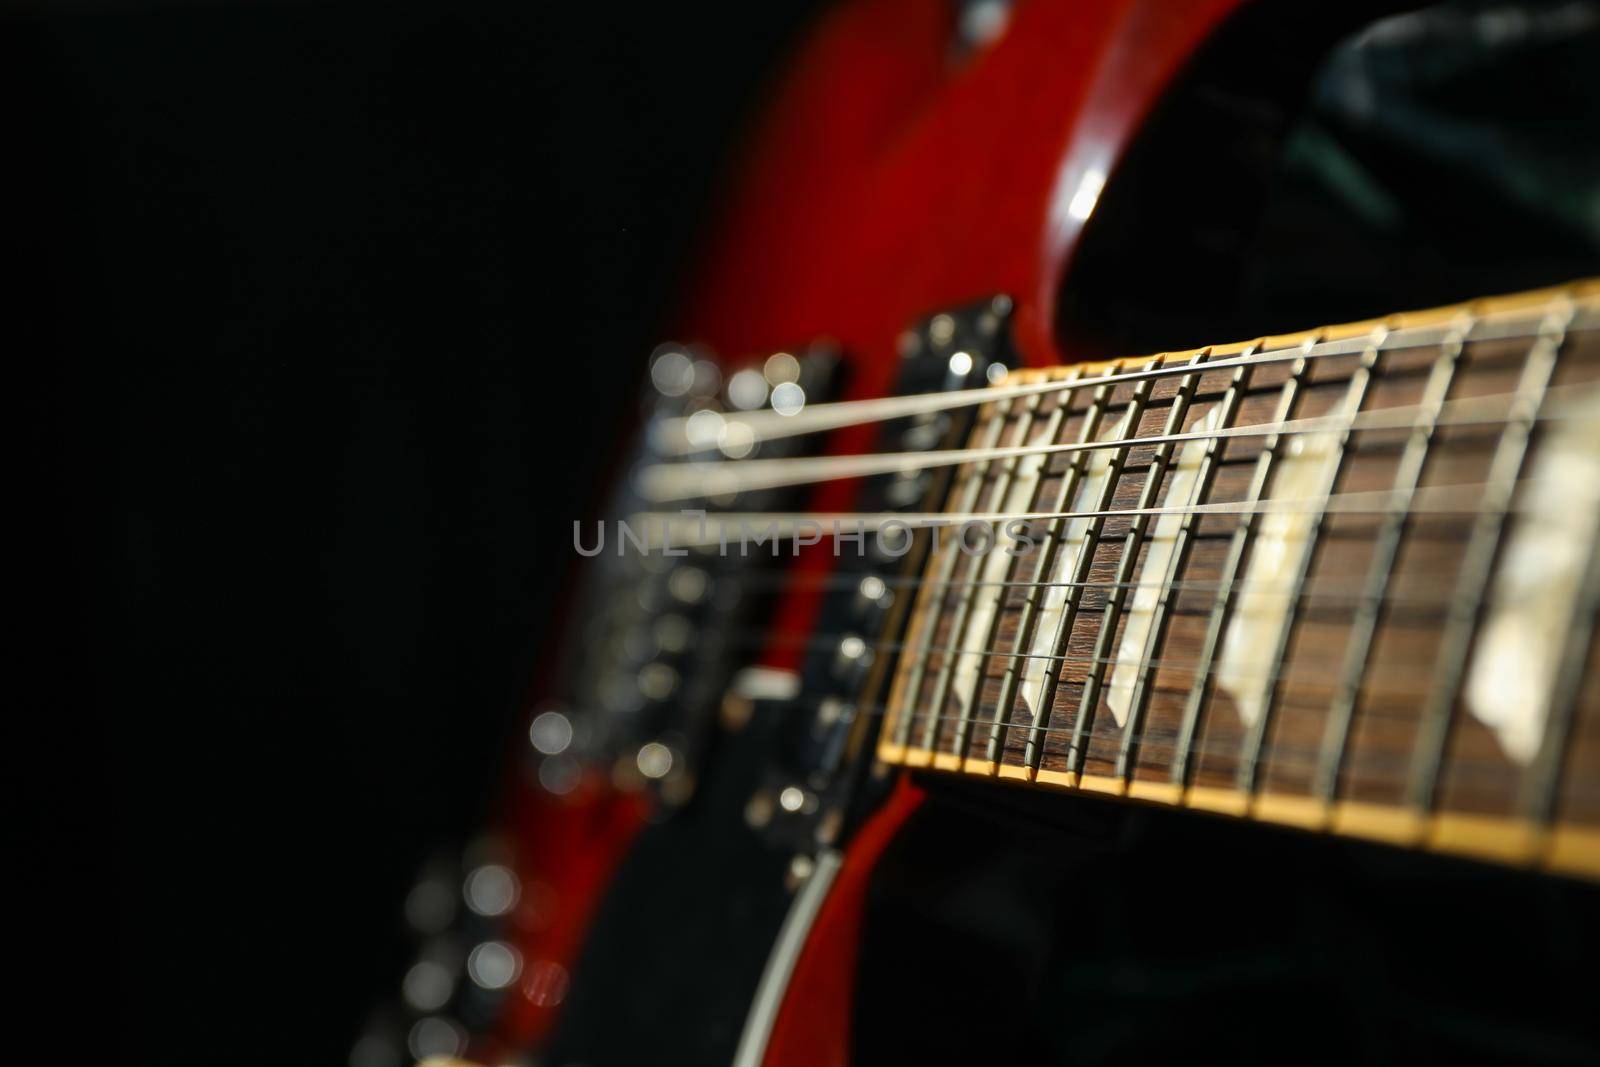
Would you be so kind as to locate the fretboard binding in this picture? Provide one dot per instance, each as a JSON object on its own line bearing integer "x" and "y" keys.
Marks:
{"x": 1304, "y": 756}
{"x": 1316, "y": 663}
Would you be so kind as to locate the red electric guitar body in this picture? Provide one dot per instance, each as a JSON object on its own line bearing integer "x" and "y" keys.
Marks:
{"x": 927, "y": 183}
{"x": 916, "y": 156}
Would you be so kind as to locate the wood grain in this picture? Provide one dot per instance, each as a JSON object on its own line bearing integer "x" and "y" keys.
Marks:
{"x": 1486, "y": 801}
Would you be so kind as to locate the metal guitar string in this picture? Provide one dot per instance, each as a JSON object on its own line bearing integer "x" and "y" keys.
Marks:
{"x": 714, "y": 529}
{"x": 672, "y": 437}
{"x": 1271, "y": 674}
{"x": 790, "y": 580}
{"x": 824, "y": 642}
{"x": 665, "y": 482}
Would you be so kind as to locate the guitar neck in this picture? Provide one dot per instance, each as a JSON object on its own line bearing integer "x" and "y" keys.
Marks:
{"x": 1345, "y": 580}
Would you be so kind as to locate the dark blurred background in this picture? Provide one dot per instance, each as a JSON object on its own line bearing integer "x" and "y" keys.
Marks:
{"x": 338, "y": 307}
{"x": 337, "y": 311}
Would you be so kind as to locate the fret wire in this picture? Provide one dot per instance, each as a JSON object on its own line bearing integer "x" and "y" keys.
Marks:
{"x": 1058, "y": 658}
{"x": 1051, "y": 683}
{"x": 670, "y": 435}
{"x": 1088, "y": 702}
{"x": 1144, "y": 686}
{"x": 1034, "y": 483}
{"x": 666, "y": 482}
{"x": 1189, "y": 666}
{"x": 995, "y": 431}
{"x": 1093, "y": 415}
{"x": 1305, "y": 755}
{"x": 908, "y": 678}
{"x": 930, "y": 602}
{"x": 964, "y": 595}
{"x": 1399, "y": 509}
{"x": 971, "y": 610}
{"x": 1386, "y": 550}
{"x": 903, "y": 614}
{"x": 1195, "y": 706}
{"x": 1453, "y": 499}
{"x": 1477, "y": 564}
{"x": 994, "y": 750}
{"x": 780, "y": 582}
{"x": 1540, "y": 787}
{"x": 1256, "y": 735}
{"x": 1301, "y": 754}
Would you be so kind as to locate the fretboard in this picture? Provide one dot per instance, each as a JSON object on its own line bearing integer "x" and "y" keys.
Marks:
{"x": 1345, "y": 580}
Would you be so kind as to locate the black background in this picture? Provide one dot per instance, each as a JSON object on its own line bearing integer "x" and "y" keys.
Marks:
{"x": 338, "y": 307}
{"x": 337, "y": 311}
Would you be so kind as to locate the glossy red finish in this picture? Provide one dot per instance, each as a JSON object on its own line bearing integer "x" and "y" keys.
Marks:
{"x": 813, "y": 1025}
{"x": 567, "y": 849}
{"x": 888, "y": 183}
{"x": 886, "y": 180}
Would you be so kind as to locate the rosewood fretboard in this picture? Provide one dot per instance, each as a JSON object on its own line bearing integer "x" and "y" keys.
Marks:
{"x": 1345, "y": 580}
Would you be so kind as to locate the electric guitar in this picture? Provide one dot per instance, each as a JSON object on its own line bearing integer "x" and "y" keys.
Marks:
{"x": 947, "y": 680}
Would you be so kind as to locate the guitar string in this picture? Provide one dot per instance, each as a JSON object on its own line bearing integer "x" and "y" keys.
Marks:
{"x": 702, "y": 479}
{"x": 1267, "y": 672}
{"x": 775, "y": 582}
{"x": 1382, "y": 418}
{"x": 1304, "y": 593}
{"x": 1195, "y": 670}
{"x": 786, "y": 580}
{"x": 1278, "y": 753}
{"x": 673, "y": 436}
{"x": 675, "y": 528}
{"x": 1270, "y": 673}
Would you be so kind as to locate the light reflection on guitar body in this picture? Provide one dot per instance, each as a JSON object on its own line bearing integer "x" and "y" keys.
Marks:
{"x": 904, "y": 176}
